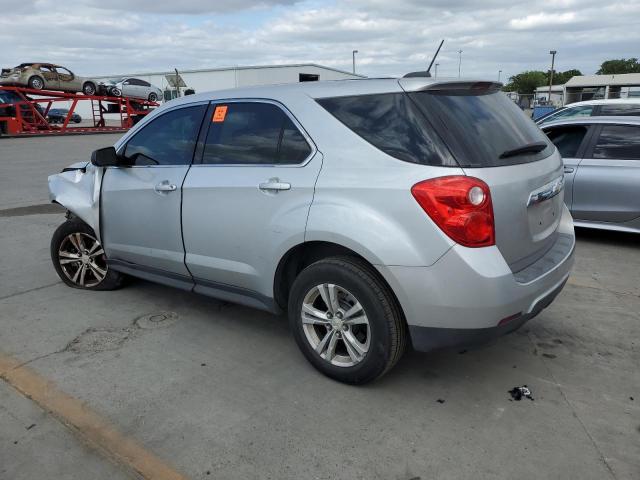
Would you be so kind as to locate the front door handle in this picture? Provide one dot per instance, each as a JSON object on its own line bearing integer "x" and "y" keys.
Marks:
{"x": 568, "y": 169}
{"x": 274, "y": 184}
{"x": 165, "y": 186}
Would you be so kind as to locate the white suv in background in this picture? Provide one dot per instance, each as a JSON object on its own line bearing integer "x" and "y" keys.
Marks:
{"x": 612, "y": 107}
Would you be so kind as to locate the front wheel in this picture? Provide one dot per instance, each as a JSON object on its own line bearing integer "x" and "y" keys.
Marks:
{"x": 153, "y": 97}
{"x": 346, "y": 321}
{"x": 89, "y": 89}
{"x": 79, "y": 259}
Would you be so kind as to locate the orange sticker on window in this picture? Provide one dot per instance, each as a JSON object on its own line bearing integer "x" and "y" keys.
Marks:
{"x": 219, "y": 113}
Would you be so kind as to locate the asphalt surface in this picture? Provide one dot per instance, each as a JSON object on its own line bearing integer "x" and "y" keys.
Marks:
{"x": 221, "y": 391}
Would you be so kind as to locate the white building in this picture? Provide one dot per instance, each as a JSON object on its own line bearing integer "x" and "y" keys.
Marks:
{"x": 203, "y": 80}
{"x": 593, "y": 87}
{"x": 541, "y": 96}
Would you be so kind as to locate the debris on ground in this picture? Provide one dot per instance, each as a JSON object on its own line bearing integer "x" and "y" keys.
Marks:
{"x": 440, "y": 400}
{"x": 518, "y": 393}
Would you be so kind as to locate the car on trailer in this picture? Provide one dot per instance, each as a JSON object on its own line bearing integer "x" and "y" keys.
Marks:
{"x": 59, "y": 115}
{"x": 47, "y": 76}
{"x": 132, "y": 88}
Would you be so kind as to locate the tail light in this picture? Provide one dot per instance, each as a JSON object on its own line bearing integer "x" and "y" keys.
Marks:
{"x": 460, "y": 206}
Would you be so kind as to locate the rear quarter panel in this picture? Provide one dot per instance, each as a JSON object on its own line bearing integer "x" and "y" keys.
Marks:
{"x": 363, "y": 198}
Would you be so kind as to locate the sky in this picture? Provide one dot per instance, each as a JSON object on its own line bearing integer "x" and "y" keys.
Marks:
{"x": 393, "y": 37}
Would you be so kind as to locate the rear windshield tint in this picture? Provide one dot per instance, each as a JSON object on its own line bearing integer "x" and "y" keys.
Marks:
{"x": 480, "y": 127}
{"x": 392, "y": 123}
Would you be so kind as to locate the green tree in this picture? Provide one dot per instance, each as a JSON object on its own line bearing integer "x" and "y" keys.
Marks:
{"x": 623, "y": 65}
{"x": 526, "y": 82}
{"x": 560, "y": 78}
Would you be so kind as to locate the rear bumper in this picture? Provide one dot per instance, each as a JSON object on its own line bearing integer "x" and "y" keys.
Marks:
{"x": 470, "y": 296}
{"x": 426, "y": 339}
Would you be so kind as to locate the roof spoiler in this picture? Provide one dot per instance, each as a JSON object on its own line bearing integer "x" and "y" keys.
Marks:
{"x": 459, "y": 87}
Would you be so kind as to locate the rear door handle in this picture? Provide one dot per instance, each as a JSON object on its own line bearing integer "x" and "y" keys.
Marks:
{"x": 568, "y": 169}
{"x": 274, "y": 184}
{"x": 165, "y": 186}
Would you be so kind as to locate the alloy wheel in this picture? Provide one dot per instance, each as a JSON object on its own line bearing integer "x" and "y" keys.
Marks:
{"x": 336, "y": 325}
{"x": 82, "y": 259}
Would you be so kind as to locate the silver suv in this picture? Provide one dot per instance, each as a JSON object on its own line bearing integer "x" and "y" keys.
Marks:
{"x": 375, "y": 212}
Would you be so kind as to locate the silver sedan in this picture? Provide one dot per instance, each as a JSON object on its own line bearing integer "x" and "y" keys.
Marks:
{"x": 602, "y": 170}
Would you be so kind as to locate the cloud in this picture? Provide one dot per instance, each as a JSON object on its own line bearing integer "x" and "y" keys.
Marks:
{"x": 95, "y": 37}
{"x": 542, "y": 20}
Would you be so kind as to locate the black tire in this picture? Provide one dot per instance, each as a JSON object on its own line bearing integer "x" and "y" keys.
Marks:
{"x": 115, "y": 92}
{"x": 36, "y": 82}
{"x": 89, "y": 88}
{"x": 111, "y": 280}
{"x": 387, "y": 327}
{"x": 153, "y": 97}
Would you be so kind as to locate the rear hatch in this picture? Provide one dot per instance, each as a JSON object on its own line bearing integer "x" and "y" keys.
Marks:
{"x": 493, "y": 140}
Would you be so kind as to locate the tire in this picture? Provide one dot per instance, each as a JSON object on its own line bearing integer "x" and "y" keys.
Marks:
{"x": 115, "y": 92}
{"x": 36, "y": 82}
{"x": 153, "y": 97}
{"x": 89, "y": 88}
{"x": 361, "y": 352}
{"x": 64, "y": 248}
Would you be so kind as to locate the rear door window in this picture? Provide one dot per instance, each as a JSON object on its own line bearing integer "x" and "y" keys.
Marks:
{"x": 567, "y": 139}
{"x": 618, "y": 142}
{"x": 253, "y": 133}
{"x": 621, "y": 109}
{"x": 482, "y": 126}
{"x": 392, "y": 123}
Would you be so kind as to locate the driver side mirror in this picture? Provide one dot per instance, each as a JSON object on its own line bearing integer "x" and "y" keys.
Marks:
{"x": 106, "y": 157}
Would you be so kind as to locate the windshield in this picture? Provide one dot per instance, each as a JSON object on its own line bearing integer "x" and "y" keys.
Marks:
{"x": 483, "y": 130}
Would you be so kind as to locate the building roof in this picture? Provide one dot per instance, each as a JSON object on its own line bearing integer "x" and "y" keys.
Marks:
{"x": 554, "y": 88}
{"x": 245, "y": 67}
{"x": 622, "y": 79}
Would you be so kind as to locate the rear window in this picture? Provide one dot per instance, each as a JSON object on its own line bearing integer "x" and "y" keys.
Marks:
{"x": 393, "y": 124}
{"x": 480, "y": 127}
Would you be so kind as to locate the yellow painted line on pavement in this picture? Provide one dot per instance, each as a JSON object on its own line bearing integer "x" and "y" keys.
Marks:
{"x": 95, "y": 430}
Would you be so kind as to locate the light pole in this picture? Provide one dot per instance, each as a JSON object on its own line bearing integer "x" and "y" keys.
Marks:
{"x": 553, "y": 58}
{"x": 459, "y": 62}
{"x": 353, "y": 55}
{"x": 499, "y": 73}
{"x": 436, "y": 77}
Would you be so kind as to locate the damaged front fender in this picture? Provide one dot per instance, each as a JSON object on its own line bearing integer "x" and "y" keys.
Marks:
{"x": 77, "y": 188}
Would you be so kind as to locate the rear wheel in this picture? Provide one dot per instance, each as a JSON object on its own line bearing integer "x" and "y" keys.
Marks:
{"x": 79, "y": 259}
{"x": 36, "y": 83}
{"x": 346, "y": 321}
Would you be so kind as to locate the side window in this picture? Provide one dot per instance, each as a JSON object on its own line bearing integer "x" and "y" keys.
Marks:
{"x": 253, "y": 133}
{"x": 294, "y": 148}
{"x": 391, "y": 123}
{"x": 567, "y": 139}
{"x": 169, "y": 139}
{"x": 144, "y": 84}
{"x": 573, "y": 112}
{"x": 621, "y": 109}
{"x": 620, "y": 142}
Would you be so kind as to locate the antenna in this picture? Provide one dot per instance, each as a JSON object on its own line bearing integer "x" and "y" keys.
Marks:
{"x": 434, "y": 58}
{"x": 427, "y": 72}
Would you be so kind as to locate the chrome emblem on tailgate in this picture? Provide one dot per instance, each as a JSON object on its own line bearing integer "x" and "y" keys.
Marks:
{"x": 547, "y": 191}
